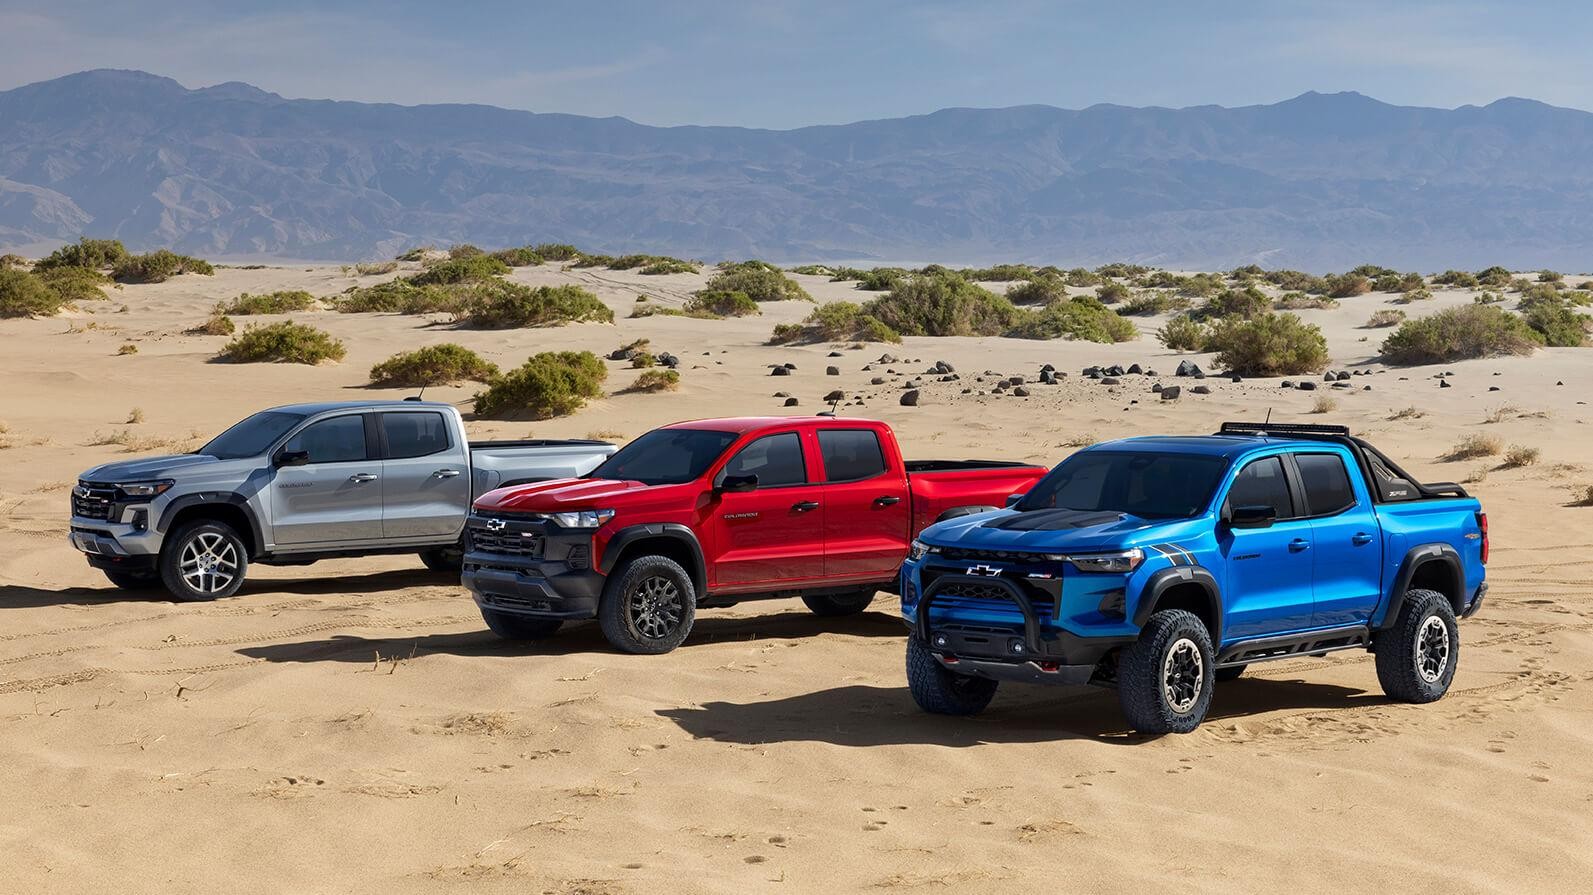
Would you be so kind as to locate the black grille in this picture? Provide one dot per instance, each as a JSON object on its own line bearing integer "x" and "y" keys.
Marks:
{"x": 959, "y": 554}
{"x": 974, "y": 591}
{"x": 510, "y": 543}
{"x": 93, "y": 501}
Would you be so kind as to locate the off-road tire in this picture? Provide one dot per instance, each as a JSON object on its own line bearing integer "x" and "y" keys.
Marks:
{"x": 1165, "y": 679}
{"x": 847, "y": 603}
{"x": 1418, "y": 654}
{"x": 1231, "y": 673}
{"x": 942, "y": 692}
{"x": 648, "y": 606}
{"x": 444, "y": 559}
{"x": 191, "y": 543}
{"x": 133, "y": 580}
{"x": 520, "y": 627}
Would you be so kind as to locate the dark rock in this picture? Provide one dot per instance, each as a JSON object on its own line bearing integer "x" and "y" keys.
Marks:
{"x": 1344, "y": 375}
{"x": 1091, "y": 372}
{"x": 669, "y": 360}
{"x": 1493, "y": 388}
{"x": 782, "y": 394}
{"x": 789, "y": 366}
{"x": 1047, "y": 377}
{"x": 834, "y": 354}
{"x": 1201, "y": 390}
{"x": 1287, "y": 384}
{"x": 1444, "y": 383}
{"x": 780, "y": 371}
{"x": 1157, "y": 387}
{"x": 1135, "y": 369}
{"x": 836, "y": 395}
{"x": 1020, "y": 392}
{"x": 1114, "y": 370}
{"x": 1330, "y": 376}
{"x": 910, "y": 398}
{"x": 1236, "y": 378}
{"x": 1110, "y": 380}
{"x": 877, "y": 380}
{"x": 1015, "y": 380}
{"x": 1307, "y": 386}
{"x": 1048, "y": 369}
{"x": 1341, "y": 385}
{"x": 791, "y": 402}
{"x": 943, "y": 367}
{"x": 1171, "y": 392}
{"x": 832, "y": 371}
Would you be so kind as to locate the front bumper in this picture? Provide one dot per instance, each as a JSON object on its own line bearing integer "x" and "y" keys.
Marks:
{"x": 552, "y": 579}
{"x": 114, "y": 545}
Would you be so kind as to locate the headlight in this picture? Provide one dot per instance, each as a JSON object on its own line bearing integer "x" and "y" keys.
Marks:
{"x": 1122, "y": 562}
{"x": 918, "y": 549}
{"x": 580, "y": 518}
{"x": 145, "y": 489}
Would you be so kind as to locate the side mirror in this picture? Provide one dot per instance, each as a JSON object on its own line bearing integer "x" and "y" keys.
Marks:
{"x": 291, "y": 458}
{"x": 1257, "y": 516}
{"x": 735, "y": 484}
{"x": 1012, "y": 499}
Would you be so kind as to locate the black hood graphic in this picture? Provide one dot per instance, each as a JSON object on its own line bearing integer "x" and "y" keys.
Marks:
{"x": 1054, "y": 520}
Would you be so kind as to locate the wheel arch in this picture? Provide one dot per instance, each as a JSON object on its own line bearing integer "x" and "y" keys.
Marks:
{"x": 1192, "y": 588}
{"x": 232, "y": 509}
{"x": 673, "y": 540}
{"x": 1435, "y": 567}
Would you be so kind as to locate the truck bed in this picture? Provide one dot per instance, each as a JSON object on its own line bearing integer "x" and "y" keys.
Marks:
{"x": 940, "y": 485}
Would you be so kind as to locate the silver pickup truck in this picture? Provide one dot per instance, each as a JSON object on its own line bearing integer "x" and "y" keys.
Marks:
{"x": 296, "y": 484}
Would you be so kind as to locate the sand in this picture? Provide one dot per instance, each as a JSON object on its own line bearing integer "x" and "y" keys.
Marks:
{"x": 351, "y": 727}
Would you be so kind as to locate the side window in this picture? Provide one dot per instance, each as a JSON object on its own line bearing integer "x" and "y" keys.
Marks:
{"x": 851, "y": 455}
{"x": 414, "y": 434}
{"x": 340, "y": 439}
{"x": 1327, "y": 485}
{"x": 1261, "y": 484}
{"x": 775, "y": 459}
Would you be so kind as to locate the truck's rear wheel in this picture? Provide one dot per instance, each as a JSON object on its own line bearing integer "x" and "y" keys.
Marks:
{"x": 648, "y": 606}
{"x": 1417, "y": 656}
{"x": 1165, "y": 678}
{"x": 519, "y": 627}
{"x": 941, "y": 692}
{"x": 203, "y": 560}
{"x": 846, "y": 603}
{"x": 133, "y": 580}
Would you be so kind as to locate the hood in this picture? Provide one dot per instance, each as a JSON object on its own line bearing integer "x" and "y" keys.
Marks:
{"x": 559, "y": 495}
{"x": 146, "y": 468}
{"x": 1046, "y": 531}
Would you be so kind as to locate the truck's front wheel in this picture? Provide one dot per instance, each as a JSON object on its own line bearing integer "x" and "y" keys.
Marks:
{"x": 1164, "y": 679}
{"x": 847, "y": 603}
{"x": 443, "y": 559}
{"x": 1416, "y": 657}
{"x": 941, "y": 692}
{"x": 648, "y": 606}
{"x": 519, "y": 627}
{"x": 203, "y": 560}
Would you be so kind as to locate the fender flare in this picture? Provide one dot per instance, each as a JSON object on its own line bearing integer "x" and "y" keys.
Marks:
{"x": 674, "y": 531}
{"x": 1415, "y": 558}
{"x": 969, "y": 510}
{"x": 211, "y": 498}
{"x": 1166, "y": 579}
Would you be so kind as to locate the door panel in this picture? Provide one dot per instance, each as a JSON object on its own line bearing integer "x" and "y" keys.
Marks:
{"x": 337, "y": 495}
{"x": 867, "y": 512}
{"x": 425, "y": 477}
{"x": 1347, "y": 567}
{"x": 773, "y": 535}
{"x": 1268, "y": 586}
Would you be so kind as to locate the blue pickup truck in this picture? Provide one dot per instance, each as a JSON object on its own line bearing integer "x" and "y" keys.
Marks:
{"x": 1160, "y": 565}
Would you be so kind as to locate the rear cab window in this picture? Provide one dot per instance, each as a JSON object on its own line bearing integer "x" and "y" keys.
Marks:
{"x": 1328, "y": 490}
{"x": 851, "y": 455}
{"x": 415, "y": 434}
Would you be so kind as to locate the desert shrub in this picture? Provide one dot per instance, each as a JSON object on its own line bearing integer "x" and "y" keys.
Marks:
{"x": 1080, "y": 317}
{"x": 881, "y": 279}
{"x": 1473, "y": 446}
{"x": 1112, "y": 293}
{"x": 1459, "y": 333}
{"x": 94, "y": 254}
{"x": 1373, "y": 271}
{"x": 722, "y": 303}
{"x": 660, "y": 266}
{"x": 1247, "y": 273}
{"x": 1460, "y": 279}
{"x": 158, "y": 266}
{"x": 1038, "y": 291}
{"x": 628, "y": 262}
{"x": 400, "y": 296}
{"x": 997, "y": 273}
{"x": 1419, "y": 294}
{"x": 1488, "y": 298}
{"x": 836, "y": 321}
{"x": 73, "y": 283}
{"x": 10, "y": 261}
{"x": 749, "y": 264}
{"x": 1121, "y": 269}
{"x": 759, "y": 281}
{"x": 1200, "y": 285}
{"x": 1324, "y": 404}
{"x": 1346, "y": 285}
{"x": 503, "y": 305}
{"x": 557, "y": 251}
{"x": 523, "y": 256}
{"x": 549, "y": 384}
{"x": 1582, "y": 496}
{"x": 1385, "y": 317}
{"x": 1519, "y": 455}
{"x": 1388, "y": 283}
{"x": 943, "y": 305}
{"x": 1079, "y": 278}
{"x": 642, "y": 359}
{"x": 373, "y": 268}
{"x": 216, "y": 325}
{"x": 281, "y": 302}
{"x": 416, "y": 254}
{"x": 464, "y": 269}
{"x": 24, "y": 295}
{"x": 1247, "y": 303}
{"x": 1268, "y": 345}
{"x": 845, "y": 274}
{"x": 655, "y": 381}
{"x": 1299, "y": 301}
{"x": 442, "y": 364}
{"x": 464, "y": 250}
{"x": 282, "y": 343}
{"x": 1557, "y": 325}
{"x": 1152, "y": 302}
{"x": 814, "y": 270}
{"x": 1296, "y": 281}
{"x": 1550, "y": 276}
{"x": 588, "y": 259}
{"x": 1494, "y": 277}
{"x": 1183, "y": 334}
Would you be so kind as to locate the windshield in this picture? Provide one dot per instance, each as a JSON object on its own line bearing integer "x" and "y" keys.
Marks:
{"x": 1151, "y": 486}
{"x": 251, "y": 437}
{"x": 666, "y": 456}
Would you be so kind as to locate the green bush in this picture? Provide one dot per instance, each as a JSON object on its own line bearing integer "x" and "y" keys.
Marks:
{"x": 586, "y": 259}
{"x": 415, "y": 254}
{"x": 1389, "y": 282}
{"x": 1550, "y": 276}
{"x": 9, "y": 261}
{"x": 1119, "y": 269}
{"x": 74, "y": 283}
{"x": 1080, "y": 317}
{"x": 1459, "y": 279}
{"x": 400, "y": 296}
{"x": 943, "y": 305}
{"x": 469, "y": 268}
{"x": 217, "y": 325}
{"x": 442, "y": 364}
{"x": 1557, "y": 325}
{"x": 1488, "y": 298}
{"x": 1373, "y": 271}
{"x": 814, "y": 270}
{"x": 1346, "y": 285}
{"x": 1268, "y": 345}
{"x": 661, "y": 266}
{"x": 838, "y": 321}
{"x": 881, "y": 279}
{"x": 503, "y": 305}
{"x": 759, "y": 281}
{"x": 549, "y": 384}
{"x": 1458, "y": 334}
{"x": 641, "y": 359}
{"x": 1079, "y": 278}
{"x": 1183, "y": 334}
{"x": 1247, "y": 303}
{"x": 1299, "y": 301}
{"x": 282, "y": 343}
{"x": 1112, "y": 293}
{"x": 464, "y": 250}
{"x": 1296, "y": 281}
{"x": 998, "y": 273}
{"x": 94, "y": 254}
{"x": 657, "y": 380}
{"x": 271, "y": 303}
{"x": 1038, "y": 291}
{"x": 1495, "y": 277}
{"x": 843, "y": 274}
{"x": 524, "y": 256}
{"x": 158, "y": 266}
{"x": 375, "y": 268}
{"x": 557, "y": 251}
{"x": 1385, "y": 317}
{"x": 1152, "y": 302}
{"x": 24, "y": 295}
{"x": 722, "y": 303}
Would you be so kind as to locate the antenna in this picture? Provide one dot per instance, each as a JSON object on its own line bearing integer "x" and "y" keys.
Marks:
{"x": 1264, "y": 422}
{"x": 418, "y": 396}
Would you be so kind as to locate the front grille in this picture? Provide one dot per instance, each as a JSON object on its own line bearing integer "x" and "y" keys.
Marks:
{"x": 960, "y": 554}
{"x": 972, "y": 591}
{"x": 509, "y": 543}
{"x": 90, "y": 501}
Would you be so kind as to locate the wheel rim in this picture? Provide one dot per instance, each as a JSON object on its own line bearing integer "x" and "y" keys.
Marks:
{"x": 1432, "y": 649}
{"x": 656, "y": 608}
{"x": 208, "y": 563}
{"x": 1183, "y": 674}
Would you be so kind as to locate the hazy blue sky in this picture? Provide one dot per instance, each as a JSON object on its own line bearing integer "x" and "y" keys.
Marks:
{"x": 784, "y": 64}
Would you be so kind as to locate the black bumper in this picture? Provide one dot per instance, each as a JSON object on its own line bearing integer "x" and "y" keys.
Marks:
{"x": 137, "y": 564}
{"x": 1476, "y": 601}
{"x": 552, "y": 579}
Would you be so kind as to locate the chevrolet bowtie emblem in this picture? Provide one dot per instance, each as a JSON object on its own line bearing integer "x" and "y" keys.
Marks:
{"x": 496, "y": 525}
{"x": 986, "y": 571}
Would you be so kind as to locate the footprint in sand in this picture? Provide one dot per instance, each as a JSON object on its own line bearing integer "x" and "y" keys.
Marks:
{"x": 776, "y": 840}
{"x": 754, "y": 859}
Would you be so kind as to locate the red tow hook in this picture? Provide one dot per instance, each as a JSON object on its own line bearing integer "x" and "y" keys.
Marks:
{"x": 1052, "y": 667}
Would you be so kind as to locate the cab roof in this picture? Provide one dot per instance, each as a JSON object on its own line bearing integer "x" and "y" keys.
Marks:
{"x": 743, "y": 424}
{"x": 312, "y": 408}
{"x": 1209, "y": 445}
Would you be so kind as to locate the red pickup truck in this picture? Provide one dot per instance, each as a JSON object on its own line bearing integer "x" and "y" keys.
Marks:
{"x": 713, "y": 512}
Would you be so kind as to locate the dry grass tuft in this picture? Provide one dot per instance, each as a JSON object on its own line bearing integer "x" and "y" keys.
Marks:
{"x": 606, "y": 435}
{"x": 1582, "y": 496}
{"x": 1474, "y": 446}
{"x": 1502, "y": 413}
{"x": 1520, "y": 455}
{"x": 1325, "y": 404}
{"x": 135, "y": 416}
{"x": 1409, "y": 413}
{"x": 1081, "y": 440}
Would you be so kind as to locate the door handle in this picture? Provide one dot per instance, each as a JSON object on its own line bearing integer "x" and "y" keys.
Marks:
{"x": 1299, "y": 544}
{"x": 887, "y": 500}
{"x": 445, "y": 473}
{"x": 1361, "y": 538}
{"x": 360, "y": 478}
{"x": 802, "y": 506}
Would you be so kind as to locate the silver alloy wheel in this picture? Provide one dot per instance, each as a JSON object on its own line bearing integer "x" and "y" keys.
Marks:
{"x": 1183, "y": 675}
{"x": 1432, "y": 649}
{"x": 656, "y": 607}
{"x": 208, "y": 563}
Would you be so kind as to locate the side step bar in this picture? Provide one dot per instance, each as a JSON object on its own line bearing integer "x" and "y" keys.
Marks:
{"x": 1262, "y": 649}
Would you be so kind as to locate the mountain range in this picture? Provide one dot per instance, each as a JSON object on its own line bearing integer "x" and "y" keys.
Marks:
{"x": 1318, "y": 182}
